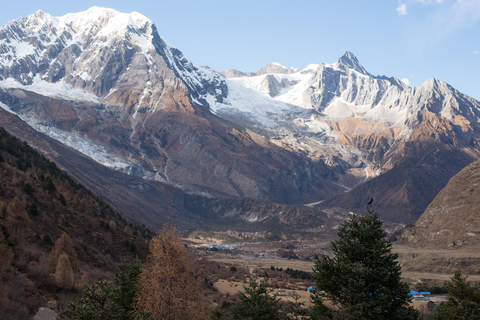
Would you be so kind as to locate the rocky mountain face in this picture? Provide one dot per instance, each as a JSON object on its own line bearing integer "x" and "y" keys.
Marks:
{"x": 452, "y": 220}
{"x": 156, "y": 203}
{"x": 106, "y": 84}
{"x": 378, "y": 137}
{"x": 269, "y": 68}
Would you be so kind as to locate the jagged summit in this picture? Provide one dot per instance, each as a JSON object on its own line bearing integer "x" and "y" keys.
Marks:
{"x": 269, "y": 68}
{"x": 95, "y": 19}
{"x": 349, "y": 60}
{"x": 275, "y": 67}
{"x": 142, "y": 107}
{"x": 109, "y": 85}
{"x": 96, "y": 51}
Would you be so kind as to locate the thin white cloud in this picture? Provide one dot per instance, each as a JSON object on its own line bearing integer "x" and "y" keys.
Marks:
{"x": 406, "y": 81}
{"x": 475, "y": 52}
{"x": 428, "y": 1}
{"x": 402, "y": 9}
{"x": 444, "y": 22}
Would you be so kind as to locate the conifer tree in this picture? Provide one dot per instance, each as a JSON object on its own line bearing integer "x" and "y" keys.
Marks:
{"x": 97, "y": 303}
{"x": 110, "y": 299}
{"x": 126, "y": 287}
{"x": 363, "y": 278}
{"x": 257, "y": 302}
{"x": 463, "y": 301}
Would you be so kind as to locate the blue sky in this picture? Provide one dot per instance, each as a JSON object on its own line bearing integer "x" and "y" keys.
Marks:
{"x": 409, "y": 39}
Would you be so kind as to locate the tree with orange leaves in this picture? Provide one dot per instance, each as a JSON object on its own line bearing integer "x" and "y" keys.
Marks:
{"x": 64, "y": 245}
{"x": 168, "y": 287}
{"x": 64, "y": 272}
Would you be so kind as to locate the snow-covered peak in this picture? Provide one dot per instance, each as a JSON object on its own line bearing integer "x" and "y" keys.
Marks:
{"x": 350, "y": 61}
{"x": 105, "y": 20}
{"x": 42, "y": 15}
{"x": 269, "y": 68}
{"x": 96, "y": 20}
{"x": 275, "y": 68}
{"x": 433, "y": 83}
{"x": 94, "y": 49}
{"x": 311, "y": 67}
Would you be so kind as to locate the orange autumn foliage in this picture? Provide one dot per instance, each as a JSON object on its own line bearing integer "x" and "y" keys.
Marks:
{"x": 168, "y": 287}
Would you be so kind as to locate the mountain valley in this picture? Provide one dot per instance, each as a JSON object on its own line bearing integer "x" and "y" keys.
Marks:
{"x": 117, "y": 151}
{"x": 330, "y": 135}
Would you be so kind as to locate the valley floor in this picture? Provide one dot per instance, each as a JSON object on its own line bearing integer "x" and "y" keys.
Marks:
{"x": 422, "y": 267}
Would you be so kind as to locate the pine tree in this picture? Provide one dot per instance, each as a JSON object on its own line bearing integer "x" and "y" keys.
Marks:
{"x": 97, "y": 303}
{"x": 363, "y": 278}
{"x": 295, "y": 309}
{"x": 126, "y": 287}
{"x": 463, "y": 301}
{"x": 110, "y": 299}
{"x": 257, "y": 302}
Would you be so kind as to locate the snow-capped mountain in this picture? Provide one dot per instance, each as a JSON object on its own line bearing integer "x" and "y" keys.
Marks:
{"x": 340, "y": 112}
{"x": 107, "y": 84}
{"x": 94, "y": 51}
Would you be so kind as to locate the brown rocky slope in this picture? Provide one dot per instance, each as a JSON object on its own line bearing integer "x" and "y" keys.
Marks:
{"x": 453, "y": 217}
{"x": 154, "y": 203}
{"x": 420, "y": 167}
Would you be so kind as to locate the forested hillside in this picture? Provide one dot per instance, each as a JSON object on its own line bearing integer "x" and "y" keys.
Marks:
{"x": 56, "y": 235}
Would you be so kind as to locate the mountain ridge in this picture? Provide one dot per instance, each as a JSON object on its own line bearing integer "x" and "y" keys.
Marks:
{"x": 284, "y": 135}
{"x": 141, "y": 90}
